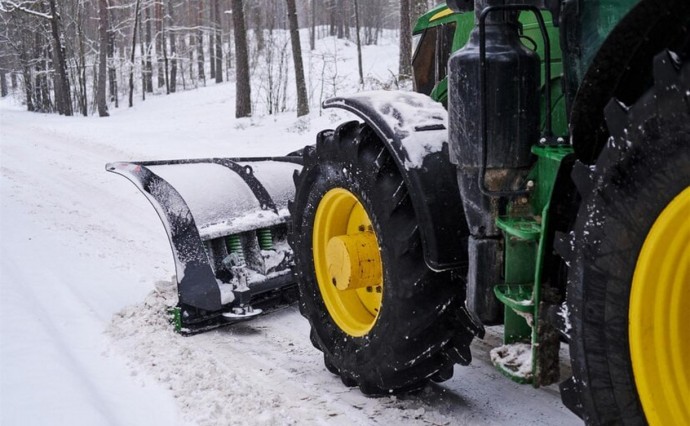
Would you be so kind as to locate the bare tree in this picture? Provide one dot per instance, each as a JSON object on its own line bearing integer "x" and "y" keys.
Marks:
{"x": 160, "y": 43}
{"x": 243, "y": 99}
{"x": 212, "y": 40}
{"x": 405, "y": 69}
{"x": 217, "y": 29}
{"x": 80, "y": 60}
{"x": 63, "y": 97}
{"x": 312, "y": 33}
{"x": 3, "y": 83}
{"x": 102, "y": 58}
{"x": 134, "y": 47}
{"x": 172, "y": 86}
{"x": 257, "y": 17}
{"x": 200, "y": 43}
{"x": 359, "y": 45}
{"x": 148, "y": 65}
{"x": 302, "y": 102}
{"x": 112, "y": 72}
{"x": 339, "y": 10}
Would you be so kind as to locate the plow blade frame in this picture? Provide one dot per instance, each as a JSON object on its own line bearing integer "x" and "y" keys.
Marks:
{"x": 197, "y": 283}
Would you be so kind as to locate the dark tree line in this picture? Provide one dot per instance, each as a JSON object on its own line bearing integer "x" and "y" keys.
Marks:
{"x": 84, "y": 56}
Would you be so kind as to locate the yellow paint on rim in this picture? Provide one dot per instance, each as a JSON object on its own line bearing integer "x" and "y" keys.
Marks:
{"x": 659, "y": 323}
{"x": 442, "y": 14}
{"x": 341, "y": 227}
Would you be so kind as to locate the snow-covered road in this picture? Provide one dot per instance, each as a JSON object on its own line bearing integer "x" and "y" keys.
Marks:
{"x": 85, "y": 271}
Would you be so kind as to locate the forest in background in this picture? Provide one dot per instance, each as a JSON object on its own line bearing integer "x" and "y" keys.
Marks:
{"x": 86, "y": 56}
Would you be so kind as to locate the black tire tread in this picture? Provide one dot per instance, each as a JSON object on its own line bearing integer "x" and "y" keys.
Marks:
{"x": 646, "y": 160}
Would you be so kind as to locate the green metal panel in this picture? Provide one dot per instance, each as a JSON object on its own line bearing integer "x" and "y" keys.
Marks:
{"x": 441, "y": 15}
{"x": 464, "y": 23}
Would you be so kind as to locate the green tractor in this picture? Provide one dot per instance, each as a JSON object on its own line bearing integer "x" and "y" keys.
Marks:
{"x": 539, "y": 178}
{"x": 553, "y": 198}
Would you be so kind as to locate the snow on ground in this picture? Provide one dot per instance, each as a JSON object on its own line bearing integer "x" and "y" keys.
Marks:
{"x": 85, "y": 270}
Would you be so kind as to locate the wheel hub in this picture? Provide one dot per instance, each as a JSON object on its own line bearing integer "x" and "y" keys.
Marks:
{"x": 354, "y": 261}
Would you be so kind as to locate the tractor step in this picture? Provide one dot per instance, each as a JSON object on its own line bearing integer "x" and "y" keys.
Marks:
{"x": 527, "y": 229}
{"x": 514, "y": 361}
{"x": 528, "y": 333}
{"x": 518, "y": 297}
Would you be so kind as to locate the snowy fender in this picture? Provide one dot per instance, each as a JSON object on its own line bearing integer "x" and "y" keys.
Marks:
{"x": 628, "y": 290}
{"x": 386, "y": 336}
{"x": 413, "y": 127}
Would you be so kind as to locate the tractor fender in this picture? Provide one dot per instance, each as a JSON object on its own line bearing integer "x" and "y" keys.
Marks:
{"x": 413, "y": 128}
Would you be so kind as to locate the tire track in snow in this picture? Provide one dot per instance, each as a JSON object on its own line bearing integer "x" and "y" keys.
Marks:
{"x": 260, "y": 372}
{"x": 265, "y": 371}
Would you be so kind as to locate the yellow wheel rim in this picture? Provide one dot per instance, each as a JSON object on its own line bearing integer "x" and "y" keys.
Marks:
{"x": 347, "y": 262}
{"x": 659, "y": 329}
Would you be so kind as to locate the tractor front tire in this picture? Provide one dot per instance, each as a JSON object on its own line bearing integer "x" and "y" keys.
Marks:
{"x": 397, "y": 324}
{"x": 629, "y": 282}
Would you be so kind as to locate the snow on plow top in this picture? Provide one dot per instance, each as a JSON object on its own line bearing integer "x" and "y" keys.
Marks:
{"x": 217, "y": 198}
{"x": 222, "y": 203}
{"x": 418, "y": 122}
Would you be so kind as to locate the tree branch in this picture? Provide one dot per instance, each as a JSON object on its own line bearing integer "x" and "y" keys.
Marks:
{"x": 14, "y": 6}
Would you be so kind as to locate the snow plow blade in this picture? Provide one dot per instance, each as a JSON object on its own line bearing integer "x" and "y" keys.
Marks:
{"x": 226, "y": 220}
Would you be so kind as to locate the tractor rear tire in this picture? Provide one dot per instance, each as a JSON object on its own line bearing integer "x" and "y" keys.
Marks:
{"x": 629, "y": 290}
{"x": 413, "y": 325}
